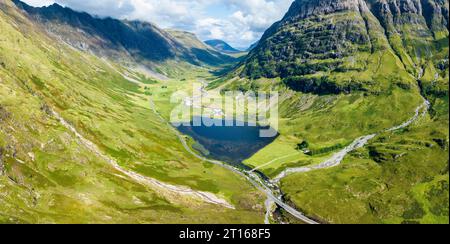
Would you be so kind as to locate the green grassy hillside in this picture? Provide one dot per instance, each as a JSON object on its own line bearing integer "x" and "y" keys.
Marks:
{"x": 344, "y": 69}
{"x": 122, "y": 40}
{"x": 202, "y": 52}
{"x": 48, "y": 175}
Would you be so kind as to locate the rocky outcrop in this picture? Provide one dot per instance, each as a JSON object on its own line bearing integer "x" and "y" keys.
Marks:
{"x": 4, "y": 114}
{"x": 435, "y": 12}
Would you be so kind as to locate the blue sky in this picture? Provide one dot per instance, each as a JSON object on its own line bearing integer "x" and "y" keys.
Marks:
{"x": 239, "y": 22}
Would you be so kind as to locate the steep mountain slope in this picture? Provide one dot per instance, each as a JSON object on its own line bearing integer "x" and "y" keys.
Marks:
{"x": 79, "y": 143}
{"x": 221, "y": 46}
{"x": 253, "y": 46}
{"x": 318, "y": 42}
{"x": 126, "y": 40}
{"x": 351, "y": 68}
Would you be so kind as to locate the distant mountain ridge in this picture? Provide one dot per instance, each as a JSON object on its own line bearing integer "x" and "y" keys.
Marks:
{"x": 221, "y": 46}
{"x": 119, "y": 39}
{"x": 73, "y": 125}
{"x": 199, "y": 49}
{"x": 317, "y": 42}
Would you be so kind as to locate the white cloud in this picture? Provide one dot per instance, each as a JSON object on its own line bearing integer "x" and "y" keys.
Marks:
{"x": 39, "y": 3}
{"x": 239, "y": 22}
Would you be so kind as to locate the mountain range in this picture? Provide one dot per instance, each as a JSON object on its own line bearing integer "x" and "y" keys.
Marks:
{"x": 119, "y": 39}
{"x": 363, "y": 128}
{"x": 221, "y": 46}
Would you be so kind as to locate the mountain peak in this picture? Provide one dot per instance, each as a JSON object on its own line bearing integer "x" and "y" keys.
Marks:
{"x": 305, "y": 8}
{"x": 318, "y": 41}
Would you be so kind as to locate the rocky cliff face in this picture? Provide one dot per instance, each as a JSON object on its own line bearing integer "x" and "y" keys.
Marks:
{"x": 325, "y": 38}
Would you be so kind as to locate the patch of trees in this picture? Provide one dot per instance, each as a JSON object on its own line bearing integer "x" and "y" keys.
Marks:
{"x": 324, "y": 150}
{"x": 438, "y": 90}
{"x": 403, "y": 85}
{"x": 148, "y": 91}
